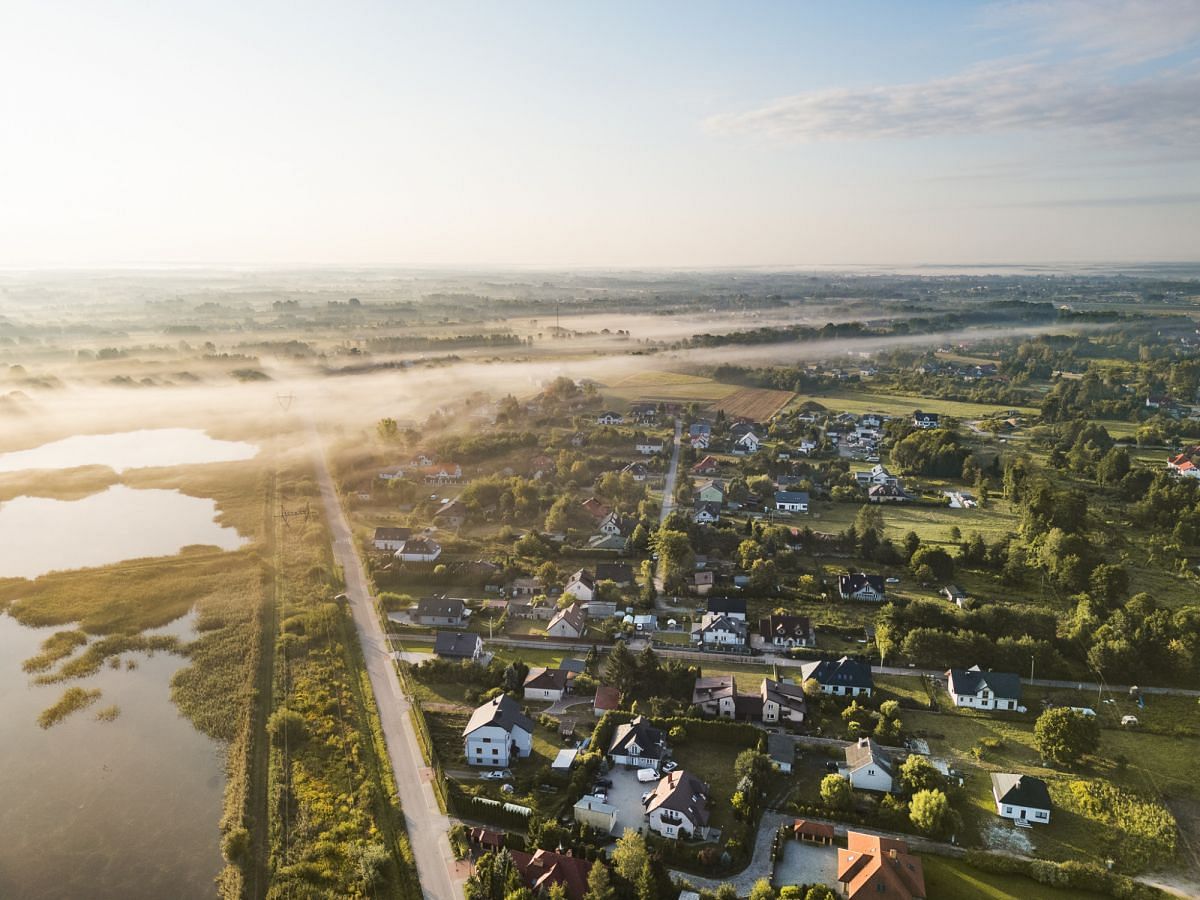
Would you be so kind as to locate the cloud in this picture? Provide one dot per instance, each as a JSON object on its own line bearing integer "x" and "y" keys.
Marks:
{"x": 1108, "y": 71}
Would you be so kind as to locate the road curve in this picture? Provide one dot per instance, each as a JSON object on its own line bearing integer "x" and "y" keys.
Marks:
{"x": 427, "y": 825}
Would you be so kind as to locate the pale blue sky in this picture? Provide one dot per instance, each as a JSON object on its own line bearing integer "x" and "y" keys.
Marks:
{"x": 599, "y": 134}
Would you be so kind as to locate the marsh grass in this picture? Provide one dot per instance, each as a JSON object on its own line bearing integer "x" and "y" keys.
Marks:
{"x": 108, "y": 714}
{"x": 57, "y": 647}
{"x": 73, "y": 700}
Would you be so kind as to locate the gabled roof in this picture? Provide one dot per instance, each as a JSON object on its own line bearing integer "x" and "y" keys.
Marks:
{"x": 681, "y": 792}
{"x": 1020, "y": 790}
{"x": 618, "y": 572}
{"x": 845, "y": 672}
{"x": 607, "y": 697}
{"x": 787, "y": 695}
{"x": 783, "y": 625}
{"x": 503, "y": 712}
{"x": 419, "y": 546}
{"x": 713, "y": 687}
{"x": 574, "y": 615}
{"x": 709, "y": 462}
{"x": 544, "y": 869}
{"x": 721, "y": 622}
{"x": 974, "y": 680}
{"x": 541, "y": 678}
{"x": 854, "y": 582}
{"x": 447, "y": 607}
{"x": 781, "y": 748}
{"x": 791, "y": 497}
{"x": 584, "y": 577}
{"x": 874, "y": 866}
{"x": 392, "y": 534}
{"x": 455, "y": 644}
{"x": 727, "y": 605}
{"x": 866, "y": 752}
{"x": 707, "y": 510}
{"x": 652, "y": 740}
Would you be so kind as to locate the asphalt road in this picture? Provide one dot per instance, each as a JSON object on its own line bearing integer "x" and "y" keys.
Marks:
{"x": 427, "y": 824}
{"x": 668, "y": 500}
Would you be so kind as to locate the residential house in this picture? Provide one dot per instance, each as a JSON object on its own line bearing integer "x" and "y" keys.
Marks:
{"x": 615, "y": 525}
{"x": 715, "y": 695}
{"x": 451, "y": 514}
{"x": 874, "y": 867}
{"x": 710, "y": 491}
{"x": 527, "y": 587}
{"x": 707, "y": 466}
{"x": 782, "y": 750}
{"x": 419, "y": 549}
{"x": 782, "y": 630}
{"x": 977, "y": 689}
{"x": 442, "y": 473}
{"x": 747, "y": 443}
{"x": 926, "y": 419}
{"x": 638, "y": 744}
{"x": 1021, "y": 798}
{"x": 872, "y": 420}
{"x": 387, "y": 538}
{"x": 869, "y": 767}
{"x": 782, "y": 702}
{"x": 458, "y": 645}
{"x": 734, "y": 607}
{"x": 706, "y": 514}
{"x": 449, "y": 611}
{"x": 807, "y": 448}
{"x": 600, "y": 609}
{"x": 637, "y": 471}
{"x": 546, "y": 684}
{"x": 595, "y": 508}
{"x": 844, "y": 677}
{"x": 719, "y": 631}
{"x": 886, "y": 493}
{"x": 644, "y": 413}
{"x": 568, "y": 622}
{"x": 700, "y": 583}
{"x": 700, "y": 435}
{"x": 581, "y": 586}
{"x": 877, "y": 474}
{"x": 608, "y": 698}
{"x": 860, "y": 586}
{"x": 543, "y": 870}
{"x": 791, "y": 501}
{"x": 956, "y": 595}
{"x": 595, "y": 813}
{"x": 620, "y": 574}
{"x": 645, "y": 622}
{"x": 1182, "y": 464}
{"x": 498, "y": 733}
{"x": 649, "y": 446}
{"x": 610, "y": 418}
{"x": 678, "y": 806}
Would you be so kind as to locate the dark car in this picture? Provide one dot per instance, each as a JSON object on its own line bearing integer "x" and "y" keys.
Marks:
{"x": 831, "y": 766}
{"x": 604, "y": 782}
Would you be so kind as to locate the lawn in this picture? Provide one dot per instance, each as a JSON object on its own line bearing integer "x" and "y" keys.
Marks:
{"x": 669, "y": 386}
{"x": 953, "y": 878}
{"x": 903, "y": 404}
{"x": 932, "y": 523}
{"x": 712, "y": 763}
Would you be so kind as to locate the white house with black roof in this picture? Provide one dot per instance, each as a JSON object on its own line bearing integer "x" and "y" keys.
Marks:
{"x": 977, "y": 689}
{"x": 843, "y": 677}
{"x": 498, "y": 733}
{"x": 581, "y": 586}
{"x": 861, "y": 586}
{"x": 720, "y": 630}
{"x": 389, "y": 538}
{"x": 639, "y": 744}
{"x": 441, "y": 611}
{"x": 734, "y": 607}
{"x": 458, "y": 645}
{"x": 926, "y": 420}
{"x": 869, "y": 767}
{"x": 678, "y": 806}
{"x": 1022, "y": 798}
{"x": 791, "y": 501}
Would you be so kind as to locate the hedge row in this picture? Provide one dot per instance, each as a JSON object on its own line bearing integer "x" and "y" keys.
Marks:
{"x": 1070, "y": 874}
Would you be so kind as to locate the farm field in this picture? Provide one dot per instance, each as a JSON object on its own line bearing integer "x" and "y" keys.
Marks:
{"x": 669, "y": 386}
{"x": 759, "y": 404}
{"x": 903, "y": 405}
{"x": 932, "y": 523}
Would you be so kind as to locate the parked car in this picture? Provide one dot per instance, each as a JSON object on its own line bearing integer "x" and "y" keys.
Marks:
{"x": 892, "y": 580}
{"x": 646, "y": 775}
{"x": 831, "y": 766}
{"x": 497, "y": 775}
{"x": 670, "y": 766}
{"x": 603, "y": 782}
{"x": 646, "y": 797}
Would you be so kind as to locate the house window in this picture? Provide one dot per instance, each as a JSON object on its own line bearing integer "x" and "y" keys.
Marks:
{"x": 1040, "y": 814}
{"x": 1008, "y": 810}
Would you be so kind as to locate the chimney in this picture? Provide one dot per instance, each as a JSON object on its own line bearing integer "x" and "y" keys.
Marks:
{"x": 893, "y": 855}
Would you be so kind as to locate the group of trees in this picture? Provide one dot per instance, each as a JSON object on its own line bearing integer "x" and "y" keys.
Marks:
{"x": 923, "y": 797}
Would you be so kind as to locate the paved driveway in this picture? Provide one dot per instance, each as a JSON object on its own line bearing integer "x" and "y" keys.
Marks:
{"x": 626, "y": 796}
{"x": 803, "y": 863}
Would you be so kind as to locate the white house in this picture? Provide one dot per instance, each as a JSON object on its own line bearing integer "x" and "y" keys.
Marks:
{"x": 458, "y": 645}
{"x": 390, "y": 538}
{"x": 876, "y": 475}
{"x": 450, "y": 611}
{"x": 419, "y": 550}
{"x": 716, "y": 695}
{"x": 845, "y": 677}
{"x": 610, "y": 418}
{"x": 860, "y": 586}
{"x": 649, "y": 446}
{"x": 678, "y": 806}
{"x": 719, "y": 630}
{"x": 868, "y": 766}
{"x": 1022, "y": 798}
{"x": 925, "y": 420}
{"x": 568, "y": 622}
{"x": 545, "y": 684}
{"x": 782, "y": 630}
{"x": 782, "y": 702}
{"x": 581, "y": 586}
{"x": 638, "y": 744}
{"x": 747, "y": 443}
{"x": 612, "y": 525}
{"x": 706, "y": 514}
{"x": 977, "y": 689}
{"x": 791, "y": 501}
{"x": 637, "y": 471}
{"x": 498, "y": 733}
{"x": 595, "y": 813}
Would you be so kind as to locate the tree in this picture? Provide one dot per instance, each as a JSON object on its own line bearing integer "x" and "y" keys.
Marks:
{"x": 620, "y": 669}
{"x": 835, "y": 792}
{"x": 287, "y": 728}
{"x": 387, "y": 429}
{"x": 762, "y": 890}
{"x": 646, "y": 884}
{"x": 820, "y": 892}
{"x": 917, "y": 773}
{"x": 764, "y": 576}
{"x": 600, "y": 885}
{"x": 929, "y": 811}
{"x": 630, "y": 856}
{"x": 936, "y": 559}
{"x": 1064, "y": 736}
{"x": 752, "y": 764}
{"x": 675, "y": 555}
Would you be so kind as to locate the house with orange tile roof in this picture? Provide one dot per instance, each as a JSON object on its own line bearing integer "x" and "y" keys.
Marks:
{"x": 880, "y": 868}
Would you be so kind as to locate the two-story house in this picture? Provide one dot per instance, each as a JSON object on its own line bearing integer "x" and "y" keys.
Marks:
{"x": 498, "y": 733}
{"x": 678, "y": 806}
{"x": 978, "y": 689}
{"x": 581, "y": 586}
{"x": 718, "y": 630}
{"x": 844, "y": 677}
{"x": 568, "y": 622}
{"x": 861, "y": 586}
{"x": 783, "y": 630}
{"x": 449, "y": 611}
{"x": 638, "y": 744}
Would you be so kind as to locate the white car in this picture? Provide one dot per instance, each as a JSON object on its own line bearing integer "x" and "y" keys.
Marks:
{"x": 892, "y": 580}
{"x": 670, "y": 766}
{"x": 498, "y": 775}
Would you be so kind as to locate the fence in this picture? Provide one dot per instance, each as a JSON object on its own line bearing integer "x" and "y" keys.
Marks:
{"x": 424, "y": 738}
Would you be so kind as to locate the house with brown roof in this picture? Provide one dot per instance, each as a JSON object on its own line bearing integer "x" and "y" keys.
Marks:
{"x": 544, "y": 869}
{"x": 876, "y": 867}
{"x": 710, "y": 465}
{"x": 813, "y": 832}
{"x": 678, "y": 805}
{"x": 607, "y": 698}
{"x": 782, "y": 630}
{"x": 869, "y": 766}
{"x": 596, "y": 509}
{"x": 546, "y": 684}
{"x": 568, "y": 622}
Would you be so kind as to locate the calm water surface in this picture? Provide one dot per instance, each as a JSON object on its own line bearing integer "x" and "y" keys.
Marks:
{"x": 120, "y": 810}
{"x": 129, "y": 450}
{"x": 39, "y": 535}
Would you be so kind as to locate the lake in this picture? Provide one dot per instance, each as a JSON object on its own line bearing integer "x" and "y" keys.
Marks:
{"x": 129, "y": 450}
{"x": 118, "y": 810}
{"x": 39, "y": 534}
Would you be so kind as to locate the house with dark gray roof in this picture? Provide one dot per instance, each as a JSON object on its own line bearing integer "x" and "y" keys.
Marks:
{"x": 783, "y": 630}
{"x": 388, "y": 538}
{"x": 498, "y": 733}
{"x": 638, "y": 743}
{"x": 568, "y": 622}
{"x": 1021, "y": 798}
{"x": 678, "y": 806}
{"x": 978, "y": 689}
{"x": 734, "y": 607}
{"x": 861, "y": 586}
{"x": 843, "y": 677}
{"x": 869, "y": 767}
{"x": 441, "y": 611}
{"x": 458, "y": 645}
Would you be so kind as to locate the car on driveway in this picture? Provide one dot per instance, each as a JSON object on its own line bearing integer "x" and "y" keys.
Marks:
{"x": 645, "y": 775}
{"x": 603, "y": 782}
{"x": 831, "y": 766}
{"x": 670, "y": 766}
{"x": 498, "y": 775}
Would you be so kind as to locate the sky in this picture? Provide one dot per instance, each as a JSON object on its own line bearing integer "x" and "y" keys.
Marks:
{"x": 598, "y": 135}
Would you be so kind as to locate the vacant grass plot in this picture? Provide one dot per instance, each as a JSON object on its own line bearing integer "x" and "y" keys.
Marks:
{"x": 932, "y": 523}
{"x": 954, "y": 878}
{"x": 669, "y": 386}
{"x": 759, "y": 404}
{"x": 903, "y": 404}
